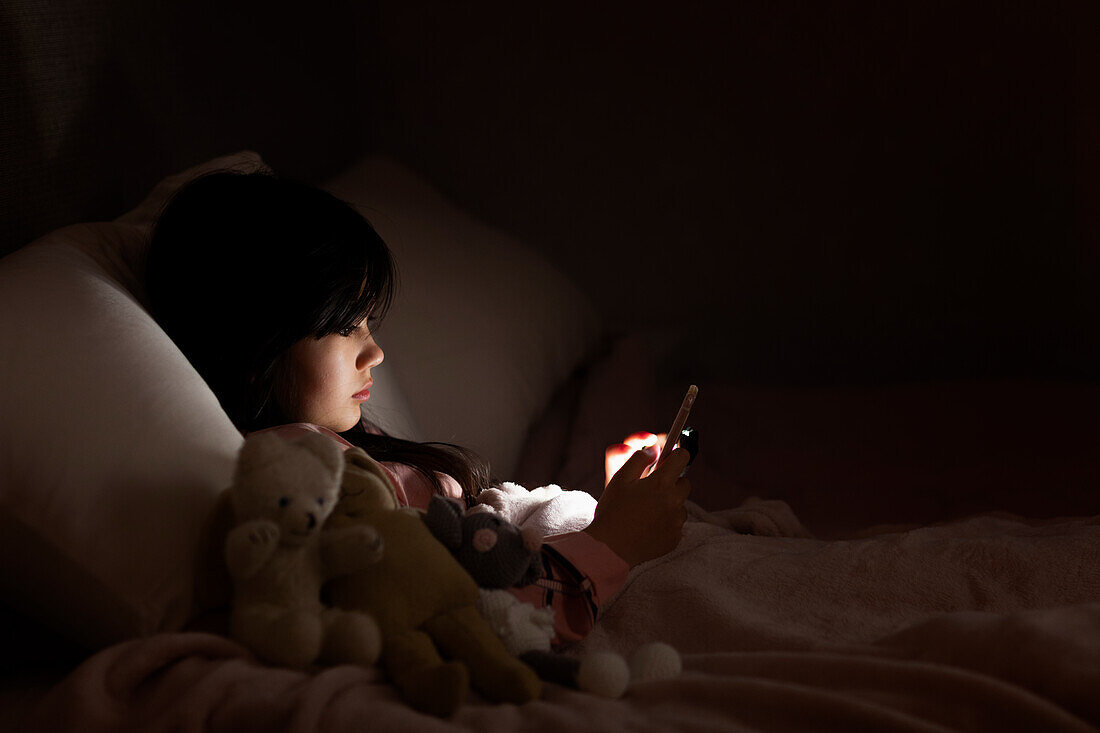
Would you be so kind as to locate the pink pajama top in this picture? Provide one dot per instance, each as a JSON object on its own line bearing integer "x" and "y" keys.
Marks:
{"x": 581, "y": 572}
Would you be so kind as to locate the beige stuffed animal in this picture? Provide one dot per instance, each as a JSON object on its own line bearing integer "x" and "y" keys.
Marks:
{"x": 282, "y": 492}
{"x": 424, "y": 602}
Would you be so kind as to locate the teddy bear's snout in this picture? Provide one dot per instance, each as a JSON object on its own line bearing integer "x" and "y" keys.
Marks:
{"x": 307, "y": 530}
{"x": 484, "y": 539}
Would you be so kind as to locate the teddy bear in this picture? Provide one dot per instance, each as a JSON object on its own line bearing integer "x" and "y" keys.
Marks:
{"x": 425, "y": 603}
{"x": 498, "y": 554}
{"x": 278, "y": 557}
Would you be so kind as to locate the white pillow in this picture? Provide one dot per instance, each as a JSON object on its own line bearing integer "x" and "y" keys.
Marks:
{"x": 112, "y": 448}
{"x": 483, "y": 327}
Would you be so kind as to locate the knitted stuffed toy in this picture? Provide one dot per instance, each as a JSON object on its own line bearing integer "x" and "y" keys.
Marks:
{"x": 424, "y": 603}
{"x": 282, "y": 491}
{"x": 498, "y": 554}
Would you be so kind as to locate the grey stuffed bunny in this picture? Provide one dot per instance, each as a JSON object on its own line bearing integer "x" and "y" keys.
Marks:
{"x": 495, "y": 552}
{"x": 499, "y": 555}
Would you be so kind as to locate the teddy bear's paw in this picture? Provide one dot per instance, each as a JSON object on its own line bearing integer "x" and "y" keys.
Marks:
{"x": 438, "y": 690}
{"x": 350, "y": 637}
{"x": 263, "y": 533}
{"x": 603, "y": 673}
{"x": 284, "y": 638}
{"x": 369, "y": 542}
{"x": 512, "y": 682}
{"x": 654, "y": 661}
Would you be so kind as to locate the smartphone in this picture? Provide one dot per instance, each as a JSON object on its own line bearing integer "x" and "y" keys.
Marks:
{"x": 676, "y": 432}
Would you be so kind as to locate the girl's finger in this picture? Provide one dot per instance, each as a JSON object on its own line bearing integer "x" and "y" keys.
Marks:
{"x": 640, "y": 440}
{"x": 682, "y": 489}
{"x": 672, "y": 465}
{"x": 613, "y": 459}
{"x": 636, "y": 464}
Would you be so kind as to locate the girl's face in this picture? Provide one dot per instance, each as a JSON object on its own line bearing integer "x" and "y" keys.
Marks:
{"x": 330, "y": 377}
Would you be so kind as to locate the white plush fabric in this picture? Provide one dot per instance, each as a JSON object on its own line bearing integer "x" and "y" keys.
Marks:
{"x": 483, "y": 327}
{"x": 547, "y": 509}
{"x": 520, "y": 625}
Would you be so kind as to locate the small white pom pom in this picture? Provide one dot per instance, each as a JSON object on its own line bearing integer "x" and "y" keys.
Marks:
{"x": 654, "y": 661}
{"x": 603, "y": 673}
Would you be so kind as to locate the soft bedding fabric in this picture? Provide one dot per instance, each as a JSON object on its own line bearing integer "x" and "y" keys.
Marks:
{"x": 987, "y": 624}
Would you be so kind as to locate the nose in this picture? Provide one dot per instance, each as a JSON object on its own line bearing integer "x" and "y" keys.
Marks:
{"x": 312, "y": 520}
{"x": 370, "y": 356}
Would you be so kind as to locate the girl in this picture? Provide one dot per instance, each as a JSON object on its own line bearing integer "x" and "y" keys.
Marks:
{"x": 274, "y": 291}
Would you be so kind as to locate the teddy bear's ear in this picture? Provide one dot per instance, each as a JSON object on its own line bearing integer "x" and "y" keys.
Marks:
{"x": 259, "y": 450}
{"x": 359, "y": 462}
{"x": 444, "y": 519}
{"x": 327, "y": 450}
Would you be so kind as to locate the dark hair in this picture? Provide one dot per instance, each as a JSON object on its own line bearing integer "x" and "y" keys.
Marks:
{"x": 242, "y": 266}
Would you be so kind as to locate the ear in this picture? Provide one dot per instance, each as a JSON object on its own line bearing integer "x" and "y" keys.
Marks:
{"x": 259, "y": 450}
{"x": 327, "y": 450}
{"x": 357, "y": 461}
{"x": 445, "y": 522}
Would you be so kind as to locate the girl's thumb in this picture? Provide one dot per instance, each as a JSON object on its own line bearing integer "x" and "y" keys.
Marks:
{"x": 638, "y": 462}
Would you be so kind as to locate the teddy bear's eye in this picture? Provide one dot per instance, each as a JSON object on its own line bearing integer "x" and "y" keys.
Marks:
{"x": 320, "y": 501}
{"x": 284, "y": 502}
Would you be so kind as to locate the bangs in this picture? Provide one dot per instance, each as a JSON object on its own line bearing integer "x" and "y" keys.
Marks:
{"x": 360, "y": 282}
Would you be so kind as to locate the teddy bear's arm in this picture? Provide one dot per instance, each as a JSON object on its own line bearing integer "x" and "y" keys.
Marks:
{"x": 350, "y": 549}
{"x": 249, "y": 546}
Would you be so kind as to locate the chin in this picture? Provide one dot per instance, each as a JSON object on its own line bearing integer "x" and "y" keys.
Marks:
{"x": 349, "y": 423}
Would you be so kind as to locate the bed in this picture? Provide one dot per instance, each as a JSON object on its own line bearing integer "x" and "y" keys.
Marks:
{"x": 913, "y": 556}
{"x": 844, "y": 566}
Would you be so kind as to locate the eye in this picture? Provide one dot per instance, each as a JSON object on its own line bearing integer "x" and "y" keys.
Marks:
{"x": 320, "y": 501}
{"x": 284, "y": 502}
{"x": 345, "y": 332}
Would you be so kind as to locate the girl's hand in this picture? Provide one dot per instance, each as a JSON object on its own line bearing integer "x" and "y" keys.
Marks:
{"x": 614, "y": 456}
{"x": 642, "y": 517}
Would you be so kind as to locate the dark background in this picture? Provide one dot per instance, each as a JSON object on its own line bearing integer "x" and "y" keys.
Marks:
{"x": 891, "y": 195}
{"x": 808, "y": 193}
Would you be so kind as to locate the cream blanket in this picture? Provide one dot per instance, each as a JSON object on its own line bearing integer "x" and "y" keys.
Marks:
{"x": 992, "y": 623}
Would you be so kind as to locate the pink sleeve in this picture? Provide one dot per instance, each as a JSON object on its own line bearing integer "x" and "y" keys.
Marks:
{"x": 583, "y": 575}
{"x": 414, "y": 489}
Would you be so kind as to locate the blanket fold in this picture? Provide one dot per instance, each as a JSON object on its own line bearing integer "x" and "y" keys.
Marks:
{"x": 991, "y": 623}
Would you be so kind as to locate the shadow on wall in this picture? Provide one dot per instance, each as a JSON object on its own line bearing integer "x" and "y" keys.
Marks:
{"x": 102, "y": 100}
{"x": 796, "y": 192}
{"x": 804, "y": 192}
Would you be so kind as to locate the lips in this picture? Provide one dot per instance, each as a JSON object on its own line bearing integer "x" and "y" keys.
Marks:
{"x": 364, "y": 393}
